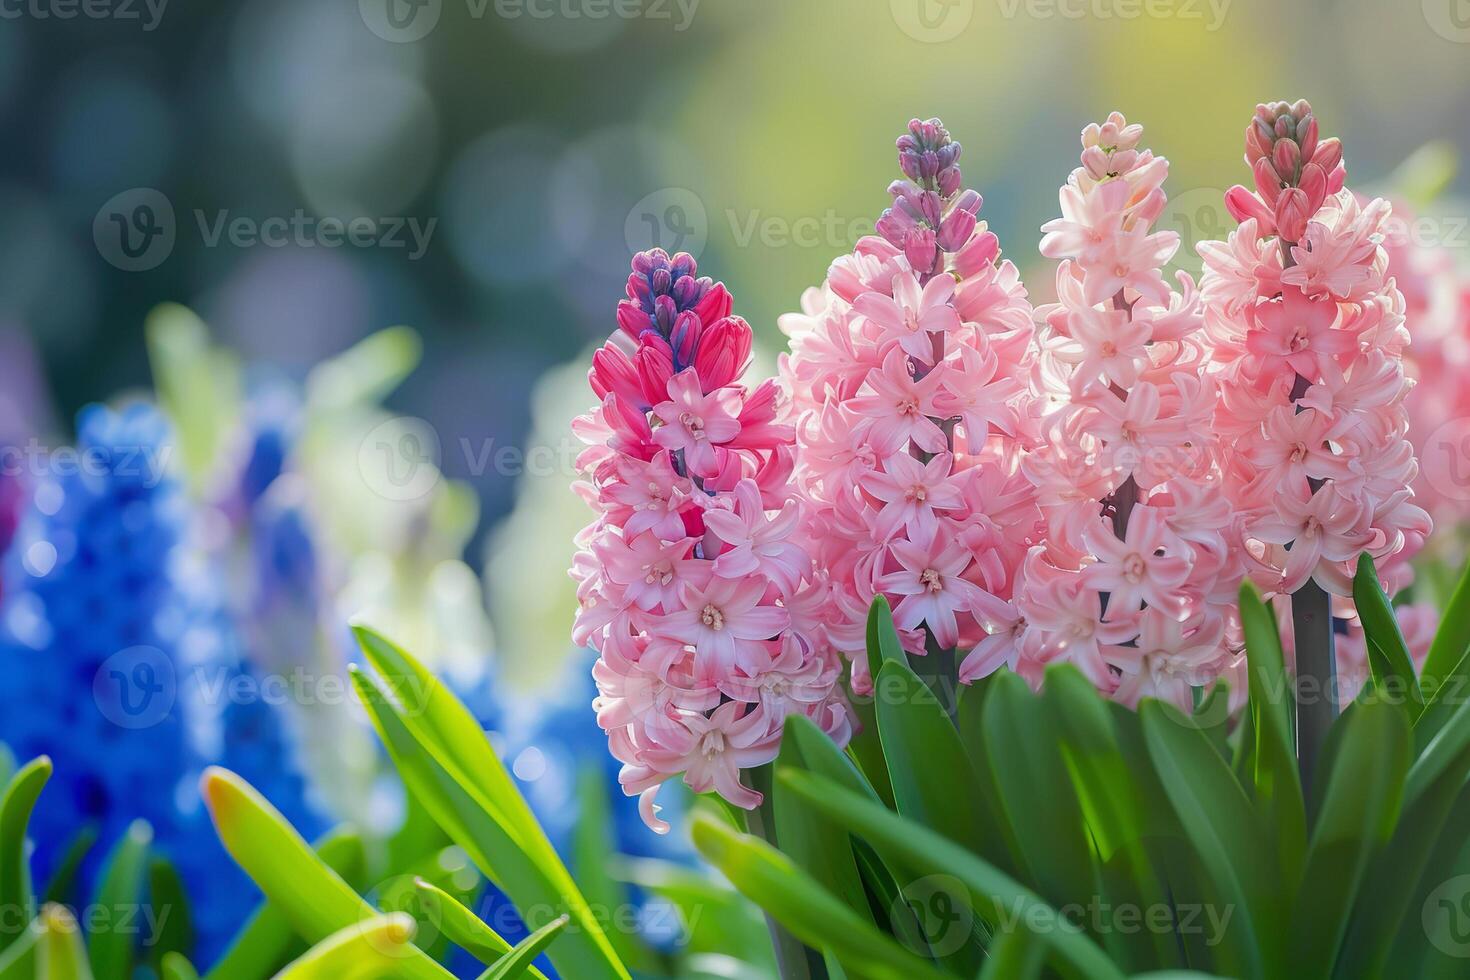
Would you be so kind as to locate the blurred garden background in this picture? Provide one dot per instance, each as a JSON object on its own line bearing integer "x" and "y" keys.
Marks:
{"x": 218, "y": 216}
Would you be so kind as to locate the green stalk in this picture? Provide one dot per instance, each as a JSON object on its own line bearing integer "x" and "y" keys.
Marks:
{"x": 795, "y": 960}
{"x": 1316, "y": 650}
{"x": 1316, "y": 675}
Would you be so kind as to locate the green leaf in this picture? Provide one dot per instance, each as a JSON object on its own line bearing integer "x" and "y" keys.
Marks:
{"x": 464, "y": 928}
{"x": 813, "y": 915}
{"x": 197, "y": 385}
{"x": 1113, "y": 808}
{"x": 59, "y": 889}
{"x": 1361, "y": 805}
{"x": 999, "y": 846}
{"x": 374, "y": 949}
{"x": 818, "y": 846}
{"x": 1386, "y": 896}
{"x": 175, "y": 966}
{"x": 1444, "y": 751}
{"x": 1452, "y": 640}
{"x": 366, "y": 373}
{"x": 447, "y": 729}
{"x": 994, "y": 895}
{"x": 59, "y": 951}
{"x": 1388, "y": 654}
{"x": 1275, "y": 777}
{"x": 715, "y": 918}
{"x": 884, "y": 646}
{"x": 932, "y": 781}
{"x": 268, "y": 939}
{"x": 1035, "y": 791}
{"x": 170, "y": 904}
{"x": 312, "y": 896}
{"x": 1015, "y": 956}
{"x": 517, "y": 963}
{"x": 15, "y": 816}
{"x": 1217, "y": 818}
{"x": 486, "y": 832}
{"x": 112, "y": 951}
{"x": 18, "y": 962}
{"x": 593, "y": 843}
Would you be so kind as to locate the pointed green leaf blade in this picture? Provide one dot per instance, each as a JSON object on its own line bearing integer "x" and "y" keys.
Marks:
{"x": 16, "y": 805}
{"x": 813, "y": 915}
{"x": 112, "y": 951}
{"x": 517, "y": 963}
{"x": 311, "y": 895}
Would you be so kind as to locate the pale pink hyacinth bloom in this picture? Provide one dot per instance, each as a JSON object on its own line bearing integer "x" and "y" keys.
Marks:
{"x": 695, "y": 581}
{"x": 1134, "y": 580}
{"x": 1436, "y": 290}
{"x": 1309, "y": 335}
{"x": 905, "y": 373}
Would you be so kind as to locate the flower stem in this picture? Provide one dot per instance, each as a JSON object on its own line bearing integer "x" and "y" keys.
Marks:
{"x": 794, "y": 960}
{"x": 1316, "y": 674}
{"x": 1312, "y": 633}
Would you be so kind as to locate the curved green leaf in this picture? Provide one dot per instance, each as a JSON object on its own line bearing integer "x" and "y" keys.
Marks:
{"x": 1452, "y": 640}
{"x": 1217, "y": 818}
{"x": 1365, "y": 787}
{"x": 1275, "y": 777}
{"x": 175, "y": 966}
{"x": 884, "y": 646}
{"x": 16, "y": 805}
{"x": 119, "y": 892}
{"x": 1035, "y": 791}
{"x": 268, "y": 940}
{"x": 60, "y": 954}
{"x": 1388, "y": 654}
{"x": 489, "y": 837}
{"x": 517, "y": 963}
{"x": 311, "y": 895}
{"x": 374, "y": 949}
{"x": 920, "y": 851}
{"x": 465, "y": 929}
{"x": 812, "y": 914}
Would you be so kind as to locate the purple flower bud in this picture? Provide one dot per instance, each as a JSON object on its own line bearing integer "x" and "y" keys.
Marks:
{"x": 921, "y": 251}
{"x": 956, "y": 229}
{"x": 950, "y": 179}
{"x": 684, "y": 339}
{"x": 664, "y": 312}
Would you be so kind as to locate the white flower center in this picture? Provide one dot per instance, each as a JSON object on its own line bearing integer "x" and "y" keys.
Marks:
{"x": 712, "y": 617}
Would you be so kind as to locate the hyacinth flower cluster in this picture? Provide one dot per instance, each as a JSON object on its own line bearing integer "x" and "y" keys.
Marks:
{"x": 905, "y": 377}
{"x": 1135, "y": 580}
{"x": 1437, "y": 311}
{"x": 695, "y": 581}
{"x": 104, "y": 593}
{"x": 1309, "y": 336}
